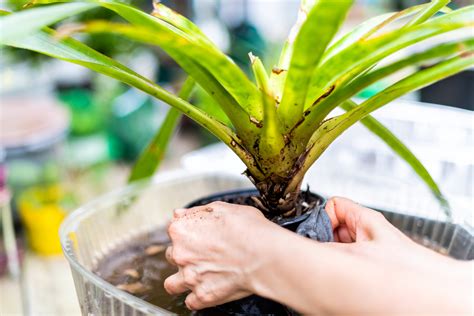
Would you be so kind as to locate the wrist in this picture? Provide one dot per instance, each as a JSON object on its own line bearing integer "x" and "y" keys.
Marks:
{"x": 270, "y": 248}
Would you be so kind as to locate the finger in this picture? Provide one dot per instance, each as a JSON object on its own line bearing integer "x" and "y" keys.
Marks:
{"x": 201, "y": 298}
{"x": 338, "y": 209}
{"x": 343, "y": 234}
{"x": 193, "y": 303}
{"x": 361, "y": 223}
{"x": 179, "y": 212}
{"x": 169, "y": 255}
{"x": 174, "y": 284}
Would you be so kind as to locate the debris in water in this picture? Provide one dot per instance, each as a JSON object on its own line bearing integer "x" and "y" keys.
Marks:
{"x": 131, "y": 273}
{"x": 154, "y": 249}
{"x": 133, "y": 288}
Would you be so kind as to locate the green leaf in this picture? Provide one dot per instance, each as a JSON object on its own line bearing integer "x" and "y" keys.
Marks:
{"x": 316, "y": 33}
{"x": 428, "y": 12}
{"x": 73, "y": 51}
{"x": 331, "y": 129}
{"x": 151, "y": 157}
{"x": 180, "y": 22}
{"x": 271, "y": 132}
{"x": 26, "y": 22}
{"x": 367, "y": 28}
{"x": 372, "y": 25}
{"x": 183, "y": 52}
{"x": 230, "y": 76}
{"x": 278, "y": 74}
{"x": 402, "y": 151}
{"x": 363, "y": 54}
{"x": 358, "y": 84}
{"x": 415, "y": 81}
{"x": 217, "y": 73}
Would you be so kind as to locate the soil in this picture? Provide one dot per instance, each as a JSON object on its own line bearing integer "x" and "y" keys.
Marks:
{"x": 140, "y": 268}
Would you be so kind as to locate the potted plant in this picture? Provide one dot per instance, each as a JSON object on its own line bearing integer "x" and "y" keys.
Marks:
{"x": 280, "y": 123}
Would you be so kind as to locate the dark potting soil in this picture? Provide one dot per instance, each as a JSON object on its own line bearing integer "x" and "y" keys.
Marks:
{"x": 140, "y": 268}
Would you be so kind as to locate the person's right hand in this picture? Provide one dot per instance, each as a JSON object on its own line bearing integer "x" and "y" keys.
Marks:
{"x": 372, "y": 268}
{"x": 352, "y": 222}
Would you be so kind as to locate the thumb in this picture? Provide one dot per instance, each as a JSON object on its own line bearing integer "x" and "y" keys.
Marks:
{"x": 352, "y": 222}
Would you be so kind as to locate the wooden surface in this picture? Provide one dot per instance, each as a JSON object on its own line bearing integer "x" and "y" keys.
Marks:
{"x": 46, "y": 288}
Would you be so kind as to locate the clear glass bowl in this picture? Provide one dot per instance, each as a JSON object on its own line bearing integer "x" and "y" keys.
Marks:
{"x": 97, "y": 228}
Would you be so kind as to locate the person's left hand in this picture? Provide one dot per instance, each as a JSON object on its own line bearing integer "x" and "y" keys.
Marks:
{"x": 214, "y": 249}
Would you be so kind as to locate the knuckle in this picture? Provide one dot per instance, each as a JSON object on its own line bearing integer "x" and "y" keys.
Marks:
{"x": 204, "y": 296}
{"x": 174, "y": 229}
{"x": 189, "y": 277}
{"x": 179, "y": 257}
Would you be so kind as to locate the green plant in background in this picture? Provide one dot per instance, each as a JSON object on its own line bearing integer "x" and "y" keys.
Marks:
{"x": 279, "y": 124}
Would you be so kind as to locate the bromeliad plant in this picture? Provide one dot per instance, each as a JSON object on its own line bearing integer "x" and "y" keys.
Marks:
{"x": 279, "y": 124}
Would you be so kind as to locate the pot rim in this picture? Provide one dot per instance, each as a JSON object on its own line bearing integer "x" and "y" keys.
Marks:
{"x": 282, "y": 221}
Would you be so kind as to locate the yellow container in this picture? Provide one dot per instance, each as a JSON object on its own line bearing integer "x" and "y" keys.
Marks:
{"x": 42, "y": 214}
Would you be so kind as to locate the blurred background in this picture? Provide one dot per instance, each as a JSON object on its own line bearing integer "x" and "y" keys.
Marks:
{"x": 68, "y": 135}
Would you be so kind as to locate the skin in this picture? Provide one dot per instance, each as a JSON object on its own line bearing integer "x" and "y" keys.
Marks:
{"x": 225, "y": 252}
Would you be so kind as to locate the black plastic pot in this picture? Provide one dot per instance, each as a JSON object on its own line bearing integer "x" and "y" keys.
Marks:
{"x": 303, "y": 224}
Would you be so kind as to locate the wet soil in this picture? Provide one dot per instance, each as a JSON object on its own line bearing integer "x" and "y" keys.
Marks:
{"x": 140, "y": 268}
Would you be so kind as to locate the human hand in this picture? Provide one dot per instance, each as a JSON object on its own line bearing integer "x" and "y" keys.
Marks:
{"x": 214, "y": 247}
{"x": 225, "y": 252}
{"x": 372, "y": 268}
{"x": 352, "y": 222}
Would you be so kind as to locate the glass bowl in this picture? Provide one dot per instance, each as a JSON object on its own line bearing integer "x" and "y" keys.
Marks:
{"x": 97, "y": 228}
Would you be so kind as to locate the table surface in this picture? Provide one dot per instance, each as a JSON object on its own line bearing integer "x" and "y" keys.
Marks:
{"x": 46, "y": 288}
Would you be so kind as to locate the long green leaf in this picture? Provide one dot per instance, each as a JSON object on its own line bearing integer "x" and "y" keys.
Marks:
{"x": 362, "y": 82}
{"x": 363, "y": 54}
{"x": 26, "y": 22}
{"x": 271, "y": 132}
{"x": 316, "y": 33}
{"x": 183, "y": 53}
{"x": 367, "y": 28}
{"x": 401, "y": 150}
{"x": 278, "y": 74}
{"x": 208, "y": 56}
{"x": 377, "y": 23}
{"x": 221, "y": 78}
{"x": 229, "y": 75}
{"x": 73, "y": 51}
{"x": 151, "y": 157}
{"x": 428, "y": 12}
{"x": 177, "y": 20}
{"x": 333, "y": 128}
